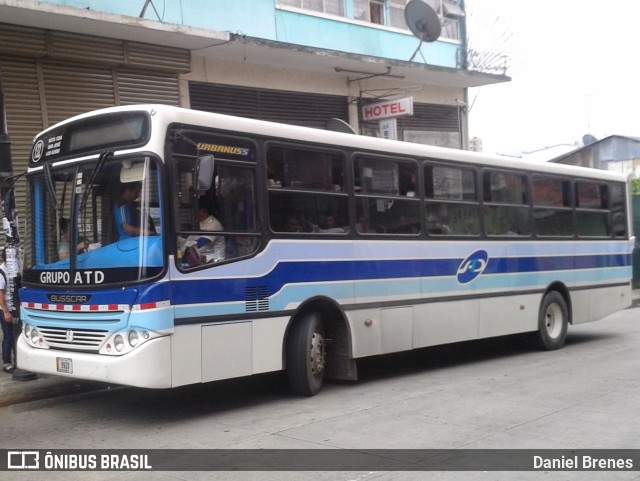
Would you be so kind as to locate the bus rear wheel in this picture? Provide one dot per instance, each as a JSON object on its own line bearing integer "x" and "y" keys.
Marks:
{"x": 553, "y": 322}
{"x": 306, "y": 355}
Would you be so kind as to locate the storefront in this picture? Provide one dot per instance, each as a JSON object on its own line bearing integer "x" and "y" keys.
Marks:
{"x": 50, "y": 75}
{"x": 297, "y": 108}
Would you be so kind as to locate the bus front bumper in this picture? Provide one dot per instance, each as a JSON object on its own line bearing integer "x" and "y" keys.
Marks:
{"x": 147, "y": 366}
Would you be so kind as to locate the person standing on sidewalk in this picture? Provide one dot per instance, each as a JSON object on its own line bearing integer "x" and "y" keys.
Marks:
{"x": 6, "y": 318}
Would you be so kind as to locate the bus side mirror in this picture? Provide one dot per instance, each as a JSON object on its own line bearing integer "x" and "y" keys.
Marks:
{"x": 204, "y": 172}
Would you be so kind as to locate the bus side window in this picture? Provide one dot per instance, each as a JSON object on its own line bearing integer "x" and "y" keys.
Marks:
{"x": 552, "y": 208}
{"x": 386, "y": 201}
{"x": 307, "y": 212}
{"x": 231, "y": 199}
{"x": 618, "y": 208}
{"x": 306, "y": 191}
{"x": 304, "y": 169}
{"x": 451, "y": 198}
{"x": 592, "y": 201}
{"x": 506, "y": 209}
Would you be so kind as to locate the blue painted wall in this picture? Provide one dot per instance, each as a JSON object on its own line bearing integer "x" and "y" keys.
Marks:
{"x": 260, "y": 18}
{"x": 354, "y": 38}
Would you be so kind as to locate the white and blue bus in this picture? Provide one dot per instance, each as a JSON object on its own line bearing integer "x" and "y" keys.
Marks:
{"x": 335, "y": 247}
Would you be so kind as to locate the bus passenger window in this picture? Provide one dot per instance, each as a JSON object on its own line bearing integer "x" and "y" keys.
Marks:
{"x": 304, "y": 169}
{"x": 383, "y": 216}
{"x": 385, "y": 177}
{"x": 553, "y": 213}
{"x": 451, "y": 198}
{"x": 506, "y": 209}
{"x": 306, "y": 212}
{"x": 386, "y": 201}
{"x": 618, "y": 210}
{"x": 228, "y": 208}
{"x": 306, "y": 191}
{"x": 592, "y": 203}
{"x": 453, "y": 219}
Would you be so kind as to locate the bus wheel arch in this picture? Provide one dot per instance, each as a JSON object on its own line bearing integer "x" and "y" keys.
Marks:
{"x": 553, "y": 318}
{"x": 318, "y": 337}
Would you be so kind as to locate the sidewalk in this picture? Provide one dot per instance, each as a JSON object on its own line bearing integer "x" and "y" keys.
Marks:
{"x": 47, "y": 386}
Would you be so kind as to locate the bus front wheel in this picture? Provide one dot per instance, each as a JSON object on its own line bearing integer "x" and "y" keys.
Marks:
{"x": 553, "y": 321}
{"x": 306, "y": 355}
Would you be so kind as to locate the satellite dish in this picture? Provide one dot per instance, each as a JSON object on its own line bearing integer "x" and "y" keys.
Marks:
{"x": 588, "y": 139}
{"x": 339, "y": 125}
{"x": 423, "y": 21}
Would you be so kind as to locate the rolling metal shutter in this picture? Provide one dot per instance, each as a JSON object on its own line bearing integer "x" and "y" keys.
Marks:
{"x": 24, "y": 116}
{"x": 22, "y": 41}
{"x": 71, "y": 89}
{"x": 137, "y": 86}
{"x": 76, "y": 73}
{"x": 49, "y": 76}
{"x": 22, "y": 103}
{"x": 306, "y": 109}
{"x": 441, "y": 118}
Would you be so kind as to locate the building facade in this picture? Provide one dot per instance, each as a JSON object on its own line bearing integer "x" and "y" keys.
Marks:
{"x": 295, "y": 61}
{"x": 617, "y": 153}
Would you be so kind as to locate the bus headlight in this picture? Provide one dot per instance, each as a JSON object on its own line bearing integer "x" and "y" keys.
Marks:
{"x": 123, "y": 342}
{"x": 133, "y": 338}
{"x": 118, "y": 342}
{"x": 35, "y": 337}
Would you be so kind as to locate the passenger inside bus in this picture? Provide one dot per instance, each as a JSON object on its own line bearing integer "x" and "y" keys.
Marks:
{"x": 64, "y": 245}
{"x": 294, "y": 225}
{"x": 362, "y": 225}
{"x": 210, "y": 248}
{"x": 329, "y": 226}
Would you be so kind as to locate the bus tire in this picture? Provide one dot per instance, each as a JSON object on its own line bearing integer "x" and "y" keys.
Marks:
{"x": 306, "y": 355}
{"x": 553, "y": 321}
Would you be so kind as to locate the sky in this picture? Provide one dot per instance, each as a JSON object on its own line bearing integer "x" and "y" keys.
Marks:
{"x": 575, "y": 70}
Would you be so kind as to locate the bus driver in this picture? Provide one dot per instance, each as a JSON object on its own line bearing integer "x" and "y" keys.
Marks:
{"x": 126, "y": 214}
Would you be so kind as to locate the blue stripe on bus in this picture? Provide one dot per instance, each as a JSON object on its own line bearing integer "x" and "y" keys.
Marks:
{"x": 555, "y": 263}
{"x": 292, "y": 295}
{"x": 318, "y": 272}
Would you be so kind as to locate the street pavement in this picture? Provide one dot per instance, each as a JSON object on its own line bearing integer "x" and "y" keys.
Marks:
{"x": 14, "y": 390}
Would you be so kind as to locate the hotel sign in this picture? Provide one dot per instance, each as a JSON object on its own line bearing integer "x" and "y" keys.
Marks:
{"x": 388, "y": 109}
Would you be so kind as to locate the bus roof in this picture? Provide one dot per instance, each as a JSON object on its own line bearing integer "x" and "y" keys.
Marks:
{"x": 169, "y": 114}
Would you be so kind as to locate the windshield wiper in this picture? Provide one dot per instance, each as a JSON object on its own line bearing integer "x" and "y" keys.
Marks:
{"x": 104, "y": 156}
{"x": 50, "y": 187}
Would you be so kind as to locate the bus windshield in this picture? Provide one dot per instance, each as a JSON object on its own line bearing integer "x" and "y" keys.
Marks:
{"x": 95, "y": 223}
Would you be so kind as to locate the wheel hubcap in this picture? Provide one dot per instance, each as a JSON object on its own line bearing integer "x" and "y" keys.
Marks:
{"x": 553, "y": 321}
{"x": 317, "y": 354}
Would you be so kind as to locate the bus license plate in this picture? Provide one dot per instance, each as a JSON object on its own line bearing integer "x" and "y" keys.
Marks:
{"x": 64, "y": 364}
